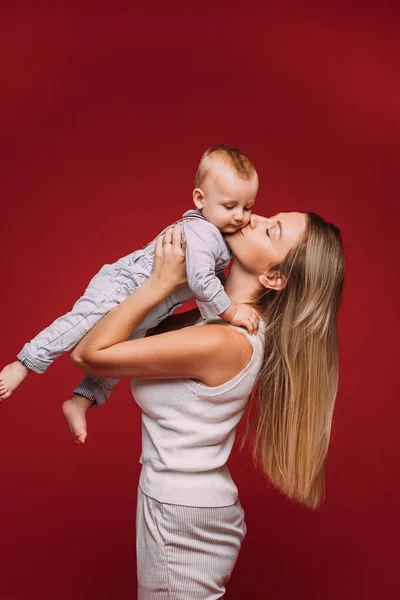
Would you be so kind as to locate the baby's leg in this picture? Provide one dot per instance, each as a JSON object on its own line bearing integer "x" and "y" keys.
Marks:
{"x": 103, "y": 293}
{"x": 107, "y": 289}
{"x": 91, "y": 391}
{"x": 10, "y": 378}
{"x": 75, "y": 413}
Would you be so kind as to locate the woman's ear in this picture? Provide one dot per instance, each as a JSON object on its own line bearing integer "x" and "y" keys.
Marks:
{"x": 273, "y": 280}
{"x": 198, "y": 198}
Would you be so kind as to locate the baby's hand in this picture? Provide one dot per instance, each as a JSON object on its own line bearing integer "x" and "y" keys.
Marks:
{"x": 246, "y": 316}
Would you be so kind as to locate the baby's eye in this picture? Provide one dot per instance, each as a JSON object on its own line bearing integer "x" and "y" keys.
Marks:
{"x": 229, "y": 207}
{"x": 247, "y": 209}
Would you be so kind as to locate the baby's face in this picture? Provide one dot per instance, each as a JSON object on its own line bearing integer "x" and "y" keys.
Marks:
{"x": 227, "y": 199}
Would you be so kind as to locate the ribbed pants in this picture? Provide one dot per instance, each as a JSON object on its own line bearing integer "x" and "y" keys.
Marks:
{"x": 186, "y": 552}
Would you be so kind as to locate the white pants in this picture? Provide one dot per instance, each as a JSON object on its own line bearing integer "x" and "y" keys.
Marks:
{"x": 186, "y": 552}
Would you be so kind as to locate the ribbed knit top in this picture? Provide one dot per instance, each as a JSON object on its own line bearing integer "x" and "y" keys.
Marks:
{"x": 188, "y": 430}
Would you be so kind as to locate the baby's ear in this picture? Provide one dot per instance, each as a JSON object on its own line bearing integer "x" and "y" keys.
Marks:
{"x": 198, "y": 198}
{"x": 273, "y": 280}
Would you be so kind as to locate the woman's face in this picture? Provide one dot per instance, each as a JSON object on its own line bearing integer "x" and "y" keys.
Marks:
{"x": 265, "y": 242}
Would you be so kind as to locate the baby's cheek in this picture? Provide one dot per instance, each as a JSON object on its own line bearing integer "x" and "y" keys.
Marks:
{"x": 246, "y": 218}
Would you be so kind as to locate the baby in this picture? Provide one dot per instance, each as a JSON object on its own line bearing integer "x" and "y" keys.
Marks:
{"x": 226, "y": 186}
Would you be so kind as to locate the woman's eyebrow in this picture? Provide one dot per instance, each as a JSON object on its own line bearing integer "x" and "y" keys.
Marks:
{"x": 280, "y": 228}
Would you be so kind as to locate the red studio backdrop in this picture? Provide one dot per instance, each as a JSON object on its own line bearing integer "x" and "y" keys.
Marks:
{"x": 105, "y": 111}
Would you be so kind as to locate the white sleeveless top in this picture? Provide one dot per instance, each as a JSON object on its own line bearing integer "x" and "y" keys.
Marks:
{"x": 188, "y": 431}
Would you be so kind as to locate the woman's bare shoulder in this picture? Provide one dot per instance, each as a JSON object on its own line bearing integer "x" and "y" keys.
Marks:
{"x": 228, "y": 352}
{"x": 221, "y": 334}
{"x": 217, "y": 336}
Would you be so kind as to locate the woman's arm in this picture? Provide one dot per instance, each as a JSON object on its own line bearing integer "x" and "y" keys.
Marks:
{"x": 210, "y": 353}
{"x": 203, "y": 353}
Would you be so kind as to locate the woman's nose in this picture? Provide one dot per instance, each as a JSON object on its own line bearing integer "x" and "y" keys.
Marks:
{"x": 257, "y": 220}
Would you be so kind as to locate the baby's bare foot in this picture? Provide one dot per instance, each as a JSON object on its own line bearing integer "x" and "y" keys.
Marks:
{"x": 75, "y": 413}
{"x": 10, "y": 378}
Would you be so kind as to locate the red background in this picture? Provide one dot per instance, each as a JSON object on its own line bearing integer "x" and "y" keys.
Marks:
{"x": 104, "y": 115}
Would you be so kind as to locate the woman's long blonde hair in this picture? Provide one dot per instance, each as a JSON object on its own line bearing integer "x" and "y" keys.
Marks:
{"x": 295, "y": 393}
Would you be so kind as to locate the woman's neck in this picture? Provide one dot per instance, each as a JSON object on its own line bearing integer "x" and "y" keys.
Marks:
{"x": 241, "y": 286}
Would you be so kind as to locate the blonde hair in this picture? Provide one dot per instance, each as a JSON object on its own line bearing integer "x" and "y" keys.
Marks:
{"x": 295, "y": 393}
{"x": 237, "y": 161}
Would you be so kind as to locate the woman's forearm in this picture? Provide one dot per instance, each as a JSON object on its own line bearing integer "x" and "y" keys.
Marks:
{"x": 118, "y": 324}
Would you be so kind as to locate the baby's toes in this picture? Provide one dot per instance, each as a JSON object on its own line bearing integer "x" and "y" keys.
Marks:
{"x": 4, "y": 393}
{"x": 81, "y": 437}
{"x": 79, "y": 434}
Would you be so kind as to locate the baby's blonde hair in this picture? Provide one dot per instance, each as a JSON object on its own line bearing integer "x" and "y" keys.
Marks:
{"x": 238, "y": 162}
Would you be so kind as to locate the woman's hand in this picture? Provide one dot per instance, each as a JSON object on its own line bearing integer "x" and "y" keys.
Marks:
{"x": 169, "y": 269}
{"x": 101, "y": 346}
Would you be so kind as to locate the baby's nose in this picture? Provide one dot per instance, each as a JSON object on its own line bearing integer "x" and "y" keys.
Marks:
{"x": 238, "y": 216}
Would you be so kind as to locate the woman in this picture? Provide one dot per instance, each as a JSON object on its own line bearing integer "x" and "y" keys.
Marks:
{"x": 193, "y": 385}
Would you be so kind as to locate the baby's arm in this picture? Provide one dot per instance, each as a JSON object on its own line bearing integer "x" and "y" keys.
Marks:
{"x": 204, "y": 246}
{"x": 242, "y": 315}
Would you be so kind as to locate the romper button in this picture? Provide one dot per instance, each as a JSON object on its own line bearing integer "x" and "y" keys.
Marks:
{"x": 118, "y": 290}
